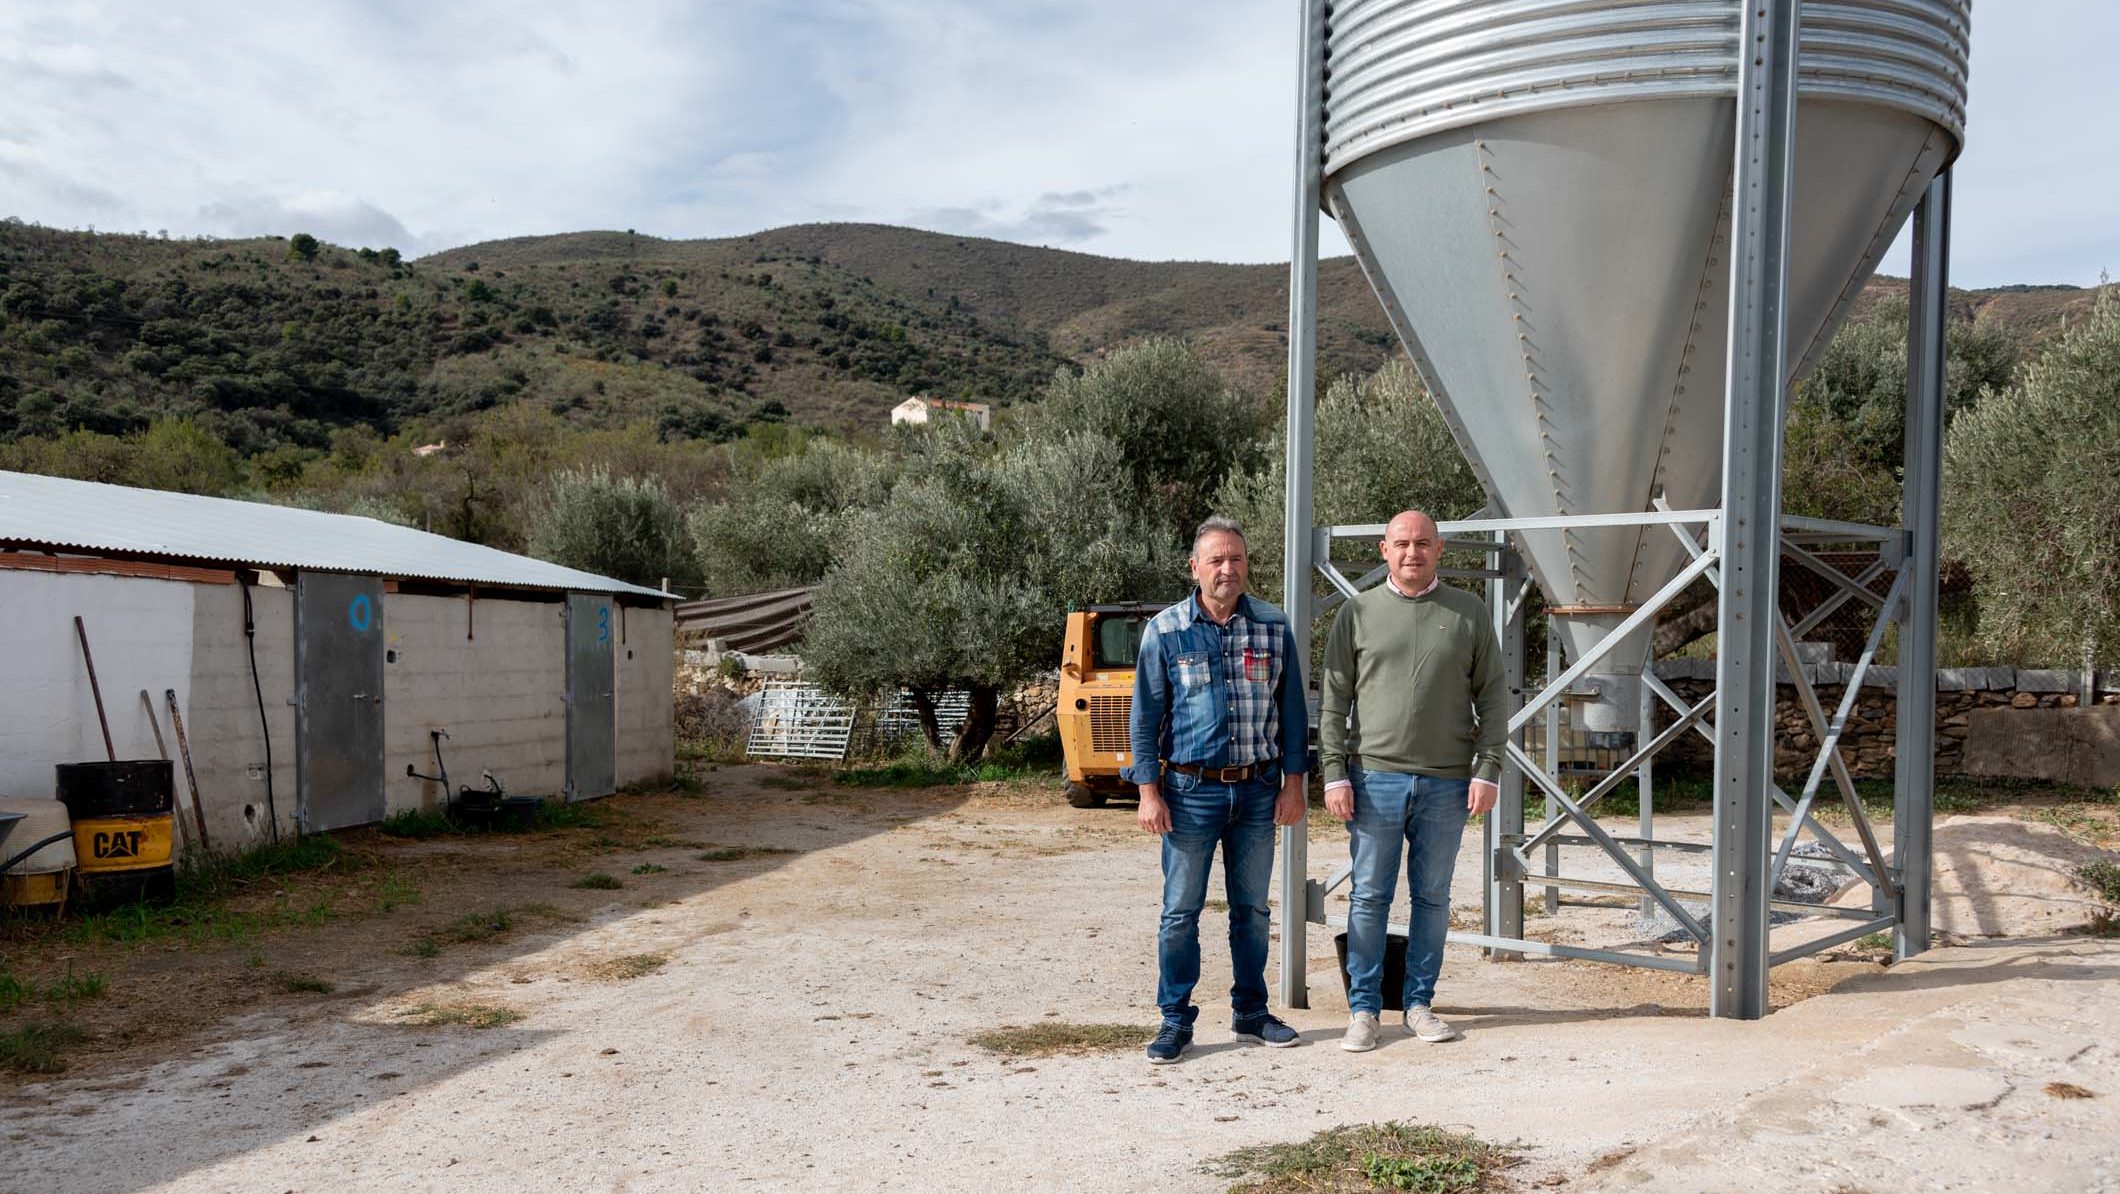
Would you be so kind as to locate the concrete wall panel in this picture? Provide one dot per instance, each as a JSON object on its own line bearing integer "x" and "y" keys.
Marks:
{"x": 493, "y": 674}
{"x": 228, "y": 739}
{"x": 646, "y": 727}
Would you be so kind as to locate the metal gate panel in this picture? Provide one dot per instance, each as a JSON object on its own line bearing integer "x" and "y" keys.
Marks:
{"x": 591, "y": 712}
{"x": 338, "y": 634}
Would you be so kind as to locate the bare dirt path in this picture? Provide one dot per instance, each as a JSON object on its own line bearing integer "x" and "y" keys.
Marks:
{"x": 802, "y": 1020}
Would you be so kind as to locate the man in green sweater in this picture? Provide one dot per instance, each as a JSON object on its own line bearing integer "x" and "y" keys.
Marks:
{"x": 1411, "y": 722}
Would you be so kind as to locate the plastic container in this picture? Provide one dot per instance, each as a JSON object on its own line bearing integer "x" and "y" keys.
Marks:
{"x": 1394, "y": 983}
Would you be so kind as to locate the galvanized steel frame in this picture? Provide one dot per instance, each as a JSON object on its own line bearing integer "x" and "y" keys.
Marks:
{"x": 1740, "y": 552}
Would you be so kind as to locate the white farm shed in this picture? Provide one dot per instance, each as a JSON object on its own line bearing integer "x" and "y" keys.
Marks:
{"x": 312, "y": 655}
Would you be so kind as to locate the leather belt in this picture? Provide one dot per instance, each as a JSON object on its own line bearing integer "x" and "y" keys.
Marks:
{"x": 1221, "y": 775}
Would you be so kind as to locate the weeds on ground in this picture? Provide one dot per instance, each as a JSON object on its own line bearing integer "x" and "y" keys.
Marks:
{"x": 13, "y": 991}
{"x": 631, "y": 966}
{"x": 1053, "y": 1037}
{"x": 37, "y": 1048}
{"x": 479, "y": 926}
{"x": 2103, "y": 878}
{"x": 469, "y": 1015}
{"x": 197, "y": 922}
{"x": 1387, "y": 1156}
{"x": 305, "y": 984}
{"x": 418, "y": 824}
{"x": 551, "y": 814}
{"x": 785, "y": 783}
{"x": 649, "y": 868}
{"x": 198, "y": 914}
{"x": 684, "y": 843}
{"x": 918, "y": 766}
{"x": 734, "y": 853}
{"x": 75, "y": 988}
{"x": 598, "y": 881}
{"x": 396, "y": 890}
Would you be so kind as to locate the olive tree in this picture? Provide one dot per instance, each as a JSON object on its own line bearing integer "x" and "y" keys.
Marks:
{"x": 1381, "y": 447}
{"x": 2032, "y": 500}
{"x": 621, "y": 527}
{"x": 1179, "y": 428}
{"x": 781, "y": 524}
{"x": 962, "y": 577}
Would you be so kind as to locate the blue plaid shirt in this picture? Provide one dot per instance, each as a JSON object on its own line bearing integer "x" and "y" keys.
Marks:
{"x": 1218, "y": 696}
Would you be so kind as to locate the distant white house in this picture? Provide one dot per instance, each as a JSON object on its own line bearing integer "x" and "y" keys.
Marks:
{"x": 919, "y": 410}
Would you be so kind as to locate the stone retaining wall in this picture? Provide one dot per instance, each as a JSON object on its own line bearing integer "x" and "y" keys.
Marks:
{"x": 1868, "y": 742}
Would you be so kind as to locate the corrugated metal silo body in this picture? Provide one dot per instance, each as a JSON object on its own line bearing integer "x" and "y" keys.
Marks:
{"x": 1538, "y": 191}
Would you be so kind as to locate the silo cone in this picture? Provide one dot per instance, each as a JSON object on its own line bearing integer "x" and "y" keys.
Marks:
{"x": 1538, "y": 190}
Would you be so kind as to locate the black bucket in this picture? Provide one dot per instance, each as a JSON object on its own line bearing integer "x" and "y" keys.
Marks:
{"x": 1394, "y": 980}
{"x": 134, "y": 787}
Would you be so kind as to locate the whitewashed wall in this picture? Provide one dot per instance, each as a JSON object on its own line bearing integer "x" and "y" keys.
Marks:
{"x": 140, "y": 633}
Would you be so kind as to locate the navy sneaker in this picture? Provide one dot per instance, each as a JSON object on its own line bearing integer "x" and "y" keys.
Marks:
{"x": 1170, "y": 1044}
{"x": 1265, "y": 1029}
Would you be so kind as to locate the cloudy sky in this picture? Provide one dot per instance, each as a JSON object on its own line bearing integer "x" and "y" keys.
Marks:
{"x": 1152, "y": 129}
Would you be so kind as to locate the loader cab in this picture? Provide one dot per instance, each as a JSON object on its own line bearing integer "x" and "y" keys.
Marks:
{"x": 1096, "y": 697}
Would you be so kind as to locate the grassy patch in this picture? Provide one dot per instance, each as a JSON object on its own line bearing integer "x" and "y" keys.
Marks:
{"x": 597, "y": 881}
{"x": 650, "y": 868}
{"x": 673, "y": 843}
{"x": 554, "y": 814}
{"x": 919, "y": 767}
{"x": 469, "y": 1015}
{"x": 395, "y": 891}
{"x": 1053, "y": 1037}
{"x": 417, "y": 824}
{"x": 1386, "y": 1156}
{"x": 200, "y": 915}
{"x": 305, "y": 984}
{"x": 14, "y": 992}
{"x": 734, "y": 853}
{"x": 617, "y": 970}
{"x": 75, "y": 988}
{"x": 479, "y": 926}
{"x": 786, "y": 783}
{"x": 198, "y": 922}
{"x": 38, "y": 1048}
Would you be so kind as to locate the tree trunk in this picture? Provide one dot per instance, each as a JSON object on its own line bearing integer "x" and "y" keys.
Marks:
{"x": 924, "y": 707}
{"x": 1690, "y": 615}
{"x": 978, "y": 726}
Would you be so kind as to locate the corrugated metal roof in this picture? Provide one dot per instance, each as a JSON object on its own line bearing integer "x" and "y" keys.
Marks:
{"x": 87, "y": 516}
{"x": 752, "y": 623}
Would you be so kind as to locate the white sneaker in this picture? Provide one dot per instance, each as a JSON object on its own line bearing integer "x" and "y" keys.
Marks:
{"x": 1361, "y": 1033}
{"x": 1422, "y": 1022}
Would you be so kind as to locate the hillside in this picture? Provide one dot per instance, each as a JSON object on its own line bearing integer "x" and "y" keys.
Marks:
{"x": 272, "y": 344}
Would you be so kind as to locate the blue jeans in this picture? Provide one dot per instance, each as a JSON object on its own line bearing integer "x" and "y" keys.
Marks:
{"x": 1240, "y": 817}
{"x": 1427, "y": 814}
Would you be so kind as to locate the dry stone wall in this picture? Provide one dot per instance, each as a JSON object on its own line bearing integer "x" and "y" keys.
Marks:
{"x": 1868, "y": 742}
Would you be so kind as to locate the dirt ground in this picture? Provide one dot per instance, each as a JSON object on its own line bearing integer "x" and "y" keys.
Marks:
{"x": 789, "y": 1002}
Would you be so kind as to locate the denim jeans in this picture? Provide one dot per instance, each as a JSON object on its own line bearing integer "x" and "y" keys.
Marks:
{"x": 1239, "y": 817}
{"x": 1427, "y": 814}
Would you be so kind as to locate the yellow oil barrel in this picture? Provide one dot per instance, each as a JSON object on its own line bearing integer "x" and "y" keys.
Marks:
{"x": 116, "y": 845}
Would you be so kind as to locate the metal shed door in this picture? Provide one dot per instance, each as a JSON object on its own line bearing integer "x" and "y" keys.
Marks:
{"x": 338, "y": 661}
{"x": 591, "y": 730}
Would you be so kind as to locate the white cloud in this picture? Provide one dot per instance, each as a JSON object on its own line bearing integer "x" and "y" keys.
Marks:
{"x": 1141, "y": 128}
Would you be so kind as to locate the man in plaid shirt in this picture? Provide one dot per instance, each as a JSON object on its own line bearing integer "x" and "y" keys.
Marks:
{"x": 1219, "y": 736}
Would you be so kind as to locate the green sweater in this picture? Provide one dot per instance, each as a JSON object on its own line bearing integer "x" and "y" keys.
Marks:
{"x": 1413, "y": 685}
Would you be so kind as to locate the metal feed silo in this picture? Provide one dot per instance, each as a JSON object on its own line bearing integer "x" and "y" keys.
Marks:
{"x": 1610, "y": 233}
{"x": 1539, "y": 192}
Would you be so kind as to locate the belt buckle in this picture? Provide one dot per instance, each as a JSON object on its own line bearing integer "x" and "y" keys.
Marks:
{"x": 1229, "y": 775}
